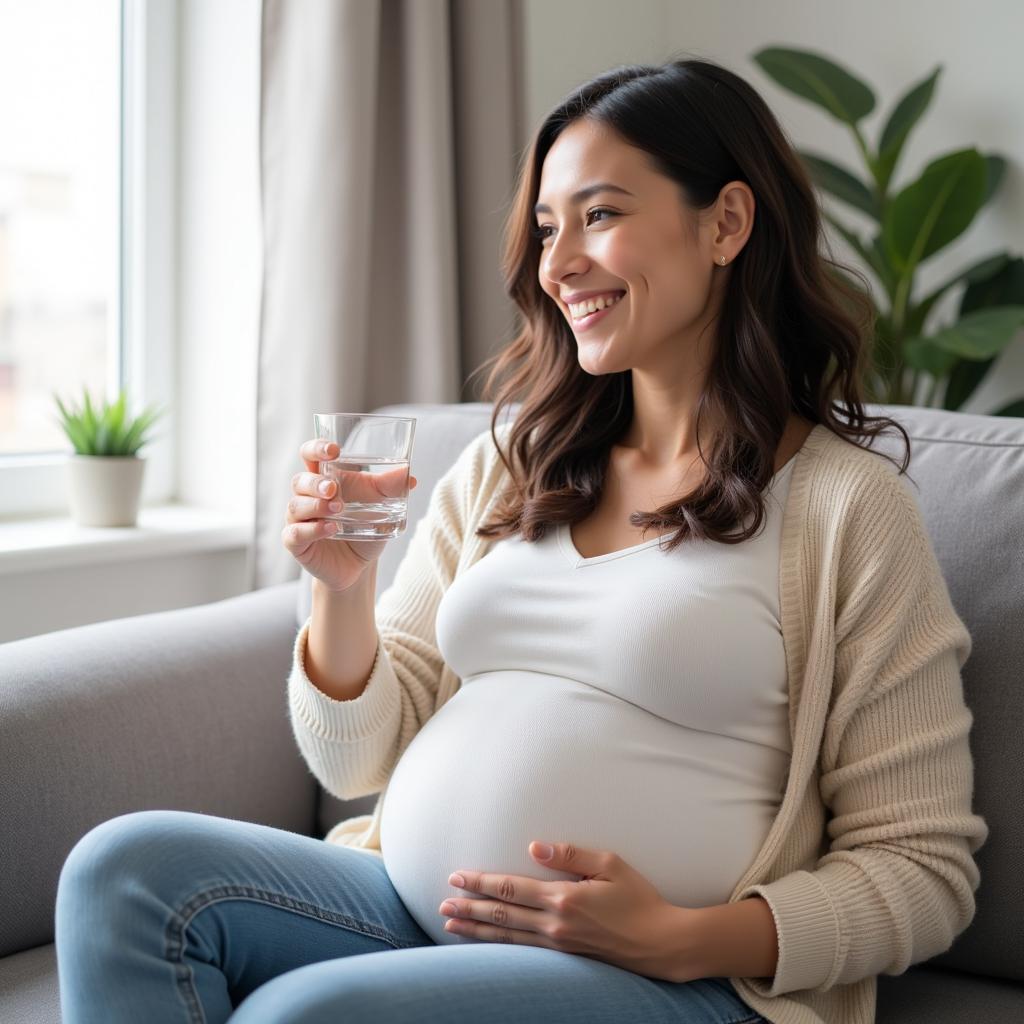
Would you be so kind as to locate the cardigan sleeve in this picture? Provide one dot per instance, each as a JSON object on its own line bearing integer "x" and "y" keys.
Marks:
{"x": 897, "y": 883}
{"x": 352, "y": 747}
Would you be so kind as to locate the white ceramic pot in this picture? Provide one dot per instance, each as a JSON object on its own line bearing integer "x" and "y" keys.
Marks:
{"x": 105, "y": 489}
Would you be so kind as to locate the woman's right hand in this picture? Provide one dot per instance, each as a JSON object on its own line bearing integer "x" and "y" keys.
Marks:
{"x": 338, "y": 564}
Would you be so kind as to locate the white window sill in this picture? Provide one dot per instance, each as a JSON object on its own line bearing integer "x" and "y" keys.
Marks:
{"x": 35, "y": 544}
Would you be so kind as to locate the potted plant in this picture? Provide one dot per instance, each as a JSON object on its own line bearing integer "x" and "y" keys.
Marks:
{"x": 907, "y": 228}
{"x": 105, "y": 469}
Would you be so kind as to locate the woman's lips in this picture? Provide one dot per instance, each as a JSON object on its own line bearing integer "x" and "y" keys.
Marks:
{"x": 585, "y": 322}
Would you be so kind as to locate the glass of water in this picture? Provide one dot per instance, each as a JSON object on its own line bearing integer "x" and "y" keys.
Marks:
{"x": 371, "y": 471}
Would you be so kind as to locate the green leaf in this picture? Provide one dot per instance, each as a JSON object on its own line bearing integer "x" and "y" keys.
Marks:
{"x": 1004, "y": 287}
{"x": 1013, "y": 409}
{"x": 996, "y": 167}
{"x": 883, "y": 354}
{"x": 102, "y": 439}
{"x": 921, "y": 354}
{"x": 879, "y": 261}
{"x": 841, "y": 183}
{"x": 984, "y": 269}
{"x": 91, "y": 424}
{"x": 104, "y": 430}
{"x": 814, "y": 77}
{"x": 116, "y": 416}
{"x": 929, "y": 213}
{"x": 903, "y": 118}
{"x": 964, "y": 380}
{"x": 72, "y": 425}
{"x": 978, "y": 273}
{"x": 851, "y": 237}
{"x": 982, "y": 334}
{"x": 874, "y": 256}
{"x": 115, "y": 421}
{"x": 134, "y": 438}
{"x": 66, "y": 417}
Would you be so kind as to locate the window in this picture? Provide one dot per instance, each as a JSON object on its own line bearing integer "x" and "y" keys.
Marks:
{"x": 60, "y": 148}
{"x": 87, "y": 178}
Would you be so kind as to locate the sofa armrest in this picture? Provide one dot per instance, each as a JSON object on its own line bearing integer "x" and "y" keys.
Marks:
{"x": 183, "y": 709}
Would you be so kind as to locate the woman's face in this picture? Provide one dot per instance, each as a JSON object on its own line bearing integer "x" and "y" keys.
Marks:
{"x": 642, "y": 242}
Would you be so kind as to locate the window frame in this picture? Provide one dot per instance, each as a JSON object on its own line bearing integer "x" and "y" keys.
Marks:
{"x": 34, "y": 484}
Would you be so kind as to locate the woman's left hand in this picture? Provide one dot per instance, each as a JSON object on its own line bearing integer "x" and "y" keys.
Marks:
{"x": 612, "y": 914}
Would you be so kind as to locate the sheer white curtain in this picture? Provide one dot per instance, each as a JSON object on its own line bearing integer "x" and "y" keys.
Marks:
{"x": 389, "y": 137}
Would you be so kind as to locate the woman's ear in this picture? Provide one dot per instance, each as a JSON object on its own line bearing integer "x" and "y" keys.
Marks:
{"x": 735, "y": 218}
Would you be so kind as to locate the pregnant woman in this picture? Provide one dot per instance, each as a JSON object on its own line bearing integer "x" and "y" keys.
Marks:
{"x": 663, "y": 705}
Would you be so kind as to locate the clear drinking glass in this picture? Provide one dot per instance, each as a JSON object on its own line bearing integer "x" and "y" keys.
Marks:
{"x": 371, "y": 471}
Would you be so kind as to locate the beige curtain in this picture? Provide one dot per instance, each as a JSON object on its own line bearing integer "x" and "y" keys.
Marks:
{"x": 389, "y": 137}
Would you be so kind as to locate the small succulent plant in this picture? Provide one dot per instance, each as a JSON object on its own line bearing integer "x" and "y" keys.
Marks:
{"x": 105, "y": 430}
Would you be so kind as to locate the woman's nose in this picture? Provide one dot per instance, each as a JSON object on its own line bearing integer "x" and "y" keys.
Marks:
{"x": 563, "y": 257}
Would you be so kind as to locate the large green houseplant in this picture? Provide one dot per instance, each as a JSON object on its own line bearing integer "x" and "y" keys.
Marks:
{"x": 906, "y": 229}
{"x": 105, "y": 470}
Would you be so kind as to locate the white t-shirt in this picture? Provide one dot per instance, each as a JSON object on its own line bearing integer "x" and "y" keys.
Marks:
{"x": 636, "y": 701}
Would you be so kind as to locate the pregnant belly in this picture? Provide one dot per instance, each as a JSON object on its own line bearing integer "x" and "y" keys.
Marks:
{"x": 521, "y": 756}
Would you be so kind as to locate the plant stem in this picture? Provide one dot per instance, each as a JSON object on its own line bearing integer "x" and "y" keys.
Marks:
{"x": 901, "y": 301}
{"x": 913, "y": 385}
{"x": 865, "y": 152}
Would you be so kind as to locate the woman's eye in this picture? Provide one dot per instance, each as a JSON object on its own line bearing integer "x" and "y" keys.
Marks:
{"x": 541, "y": 232}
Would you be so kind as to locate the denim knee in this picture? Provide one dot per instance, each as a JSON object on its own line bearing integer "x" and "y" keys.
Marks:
{"x": 307, "y": 995}
{"x": 119, "y": 848}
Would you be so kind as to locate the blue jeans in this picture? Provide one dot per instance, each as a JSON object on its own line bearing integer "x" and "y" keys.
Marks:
{"x": 173, "y": 917}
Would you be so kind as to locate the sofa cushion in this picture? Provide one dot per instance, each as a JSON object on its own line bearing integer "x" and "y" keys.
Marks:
{"x": 175, "y": 709}
{"x": 926, "y": 995}
{"x": 29, "y": 987}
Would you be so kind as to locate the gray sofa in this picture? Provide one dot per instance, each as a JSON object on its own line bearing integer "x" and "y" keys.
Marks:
{"x": 187, "y": 709}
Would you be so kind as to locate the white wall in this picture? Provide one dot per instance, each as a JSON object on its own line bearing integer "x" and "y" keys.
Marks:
{"x": 979, "y": 98}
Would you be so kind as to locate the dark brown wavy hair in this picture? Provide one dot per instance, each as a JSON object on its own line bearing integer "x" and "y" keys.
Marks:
{"x": 792, "y": 334}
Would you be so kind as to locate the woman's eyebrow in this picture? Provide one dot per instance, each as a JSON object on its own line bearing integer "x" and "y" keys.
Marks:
{"x": 586, "y": 193}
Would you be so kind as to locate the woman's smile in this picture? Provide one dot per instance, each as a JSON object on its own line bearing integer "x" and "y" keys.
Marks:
{"x": 584, "y": 322}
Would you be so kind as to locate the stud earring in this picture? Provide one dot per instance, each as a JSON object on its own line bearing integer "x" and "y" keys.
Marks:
{"x": 722, "y": 260}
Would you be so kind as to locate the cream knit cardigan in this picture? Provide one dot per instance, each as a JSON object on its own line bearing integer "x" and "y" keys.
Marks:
{"x": 868, "y": 865}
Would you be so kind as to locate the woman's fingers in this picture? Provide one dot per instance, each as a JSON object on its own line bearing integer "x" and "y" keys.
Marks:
{"x": 348, "y": 485}
{"x": 316, "y": 451}
{"x": 302, "y": 508}
{"x": 356, "y": 486}
{"x": 297, "y": 537}
{"x": 393, "y": 484}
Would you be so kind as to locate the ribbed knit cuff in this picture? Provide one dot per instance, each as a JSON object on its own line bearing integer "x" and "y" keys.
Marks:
{"x": 343, "y": 721}
{"x": 808, "y": 931}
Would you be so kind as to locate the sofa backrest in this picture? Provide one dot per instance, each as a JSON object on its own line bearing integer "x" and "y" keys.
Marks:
{"x": 969, "y": 471}
{"x": 968, "y": 480}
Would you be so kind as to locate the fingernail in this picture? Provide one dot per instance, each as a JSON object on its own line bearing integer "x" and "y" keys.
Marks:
{"x": 457, "y": 880}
